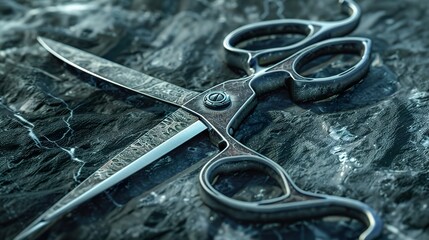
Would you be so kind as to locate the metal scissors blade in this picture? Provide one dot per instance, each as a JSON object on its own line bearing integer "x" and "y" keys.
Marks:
{"x": 118, "y": 74}
{"x": 176, "y": 129}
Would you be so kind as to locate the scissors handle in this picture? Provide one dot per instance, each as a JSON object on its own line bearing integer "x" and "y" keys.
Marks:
{"x": 295, "y": 204}
{"x": 252, "y": 61}
{"x": 303, "y": 88}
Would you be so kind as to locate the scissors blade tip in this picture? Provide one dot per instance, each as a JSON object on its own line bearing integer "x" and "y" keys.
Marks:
{"x": 33, "y": 230}
{"x": 44, "y": 41}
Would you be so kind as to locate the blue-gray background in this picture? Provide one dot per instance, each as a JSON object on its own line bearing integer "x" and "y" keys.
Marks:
{"x": 57, "y": 126}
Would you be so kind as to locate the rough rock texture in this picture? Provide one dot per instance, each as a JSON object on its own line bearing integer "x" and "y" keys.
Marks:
{"x": 57, "y": 125}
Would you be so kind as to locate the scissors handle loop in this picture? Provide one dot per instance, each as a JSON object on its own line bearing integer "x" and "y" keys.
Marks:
{"x": 252, "y": 61}
{"x": 295, "y": 204}
{"x": 303, "y": 88}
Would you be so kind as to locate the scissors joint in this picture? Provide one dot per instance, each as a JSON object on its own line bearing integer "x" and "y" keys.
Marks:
{"x": 217, "y": 100}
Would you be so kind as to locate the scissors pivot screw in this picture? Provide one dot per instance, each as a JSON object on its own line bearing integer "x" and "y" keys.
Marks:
{"x": 217, "y": 100}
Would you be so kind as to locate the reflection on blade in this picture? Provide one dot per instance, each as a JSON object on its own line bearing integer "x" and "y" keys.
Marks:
{"x": 173, "y": 131}
{"x": 117, "y": 74}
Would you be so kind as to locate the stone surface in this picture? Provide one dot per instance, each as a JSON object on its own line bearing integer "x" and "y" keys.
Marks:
{"x": 57, "y": 125}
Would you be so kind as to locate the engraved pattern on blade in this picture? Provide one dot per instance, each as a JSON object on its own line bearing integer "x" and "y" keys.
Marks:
{"x": 170, "y": 126}
{"x": 119, "y": 75}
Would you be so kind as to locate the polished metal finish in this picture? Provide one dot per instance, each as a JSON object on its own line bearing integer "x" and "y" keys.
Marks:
{"x": 268, "y": 69}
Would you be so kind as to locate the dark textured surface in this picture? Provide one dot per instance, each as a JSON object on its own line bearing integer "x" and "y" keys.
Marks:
{"x": 370, "y": 143}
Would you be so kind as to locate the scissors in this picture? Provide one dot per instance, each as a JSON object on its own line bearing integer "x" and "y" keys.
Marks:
{"x": 220, "y": 110}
